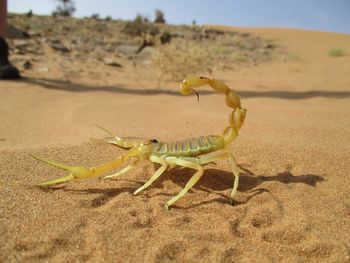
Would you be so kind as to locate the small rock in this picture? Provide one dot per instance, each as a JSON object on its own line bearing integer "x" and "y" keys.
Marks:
{"x": 60, "y": 47}
{"x": 147, "y": 53}
{"x": 269, "y": 46}
{"x": 111, "y": 62}
{"x": 127, "y": 49}
{"x": 35, "y": 49}
{"x": 13, "y": 32}
{"x": 21, "y": 44}
{"x": 44, "y": 69}
{"x": 27, "y": 64}
{"x": 33, "y": 33}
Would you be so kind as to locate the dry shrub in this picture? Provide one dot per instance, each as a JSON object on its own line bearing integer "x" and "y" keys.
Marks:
{"x": 64, "y": 8}
{"x": 139, "y": 27}
{"x": 182, "y": 58}
{"x": 202, "y": 53}
{"x": 337, "y": 52}
{"x": 159, "y": 17}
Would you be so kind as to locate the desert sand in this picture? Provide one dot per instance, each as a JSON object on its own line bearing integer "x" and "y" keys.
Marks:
{"x": 293, "y": 202}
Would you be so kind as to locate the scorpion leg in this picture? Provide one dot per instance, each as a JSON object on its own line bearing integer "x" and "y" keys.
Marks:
{"x": 235, "y": 169}
{"x": 117, "y": 174}
{"x": 194, "y": 179}
{"x": 156, "y": 175}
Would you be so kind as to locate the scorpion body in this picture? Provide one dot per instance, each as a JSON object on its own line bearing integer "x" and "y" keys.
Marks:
{"x": 187, "y": 153}
{"x": 190, "y": 147}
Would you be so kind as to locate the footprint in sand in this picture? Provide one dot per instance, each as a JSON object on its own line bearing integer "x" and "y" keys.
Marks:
{"x": 170, "y": 252}
{"x": 286, "y": 236}
{"x": 264, "y": 218}
{"x": 141, "y": 220}
{"x": 229, "y": 255}
{"x": 263, "y": 214}
{"x": 318, "y": 250}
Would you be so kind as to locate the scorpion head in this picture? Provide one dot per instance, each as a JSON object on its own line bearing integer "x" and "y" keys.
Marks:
{"x": 145, "y": 148}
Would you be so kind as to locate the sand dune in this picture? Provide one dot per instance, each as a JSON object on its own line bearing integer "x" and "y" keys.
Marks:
{"x": 293, "y": 202}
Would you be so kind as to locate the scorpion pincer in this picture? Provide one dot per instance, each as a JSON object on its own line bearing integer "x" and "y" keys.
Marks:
{"x": 187, "y": 153}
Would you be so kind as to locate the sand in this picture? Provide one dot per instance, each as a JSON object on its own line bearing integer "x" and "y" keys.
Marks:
{"x": 293, "y": 202}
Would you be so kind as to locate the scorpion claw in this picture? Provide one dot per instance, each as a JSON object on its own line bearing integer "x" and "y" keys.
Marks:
{"x": 57, "y": 181}
{"x": 76, "y": 172}
{"x": 105, "y": 130}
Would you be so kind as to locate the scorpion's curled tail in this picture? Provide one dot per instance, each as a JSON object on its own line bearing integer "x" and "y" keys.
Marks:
{"x": 232, "y": 100}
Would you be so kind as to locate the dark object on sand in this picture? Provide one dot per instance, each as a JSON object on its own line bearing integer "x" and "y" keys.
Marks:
{"x": 7, "y": 70}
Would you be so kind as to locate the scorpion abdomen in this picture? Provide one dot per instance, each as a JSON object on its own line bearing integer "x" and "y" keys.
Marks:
{"x": 191, "y": 147}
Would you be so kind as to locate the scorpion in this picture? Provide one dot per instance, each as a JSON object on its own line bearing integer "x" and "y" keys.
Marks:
{"x": 186, "y": 153}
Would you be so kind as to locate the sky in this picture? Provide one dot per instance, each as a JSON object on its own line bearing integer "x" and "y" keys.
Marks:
{"x": 321, "y": 15}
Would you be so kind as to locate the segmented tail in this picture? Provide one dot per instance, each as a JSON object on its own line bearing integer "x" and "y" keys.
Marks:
{"x": 232, "y": 100}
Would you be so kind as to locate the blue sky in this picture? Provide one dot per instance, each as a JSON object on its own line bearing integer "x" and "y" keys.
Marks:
{"x": 322, "y": 15}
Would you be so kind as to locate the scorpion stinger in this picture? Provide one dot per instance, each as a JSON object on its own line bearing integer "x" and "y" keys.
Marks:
{"x": 197, "y": 94}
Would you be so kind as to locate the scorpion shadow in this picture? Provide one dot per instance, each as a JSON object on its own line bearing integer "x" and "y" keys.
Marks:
{"x": 214, "y": 180}
{"x": 104, "y": 194}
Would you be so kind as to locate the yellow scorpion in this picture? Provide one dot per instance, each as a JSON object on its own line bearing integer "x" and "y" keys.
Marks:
{"x": 187, "y": 153}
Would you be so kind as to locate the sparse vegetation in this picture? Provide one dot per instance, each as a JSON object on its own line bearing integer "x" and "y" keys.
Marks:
{"x": 178, "y": 60}
{"x": 159, "y": 17}
{"x": 30, "y": 13}
{"x": 205, "y": 51}
{"x": 64, "y": 8}
{"x": 95, "y": 16}
{"x": 165, "y": 37}
{"x": 175, "y": 51}
{"x": 238, "y": 57}
{"x": 337, "y": 52}
{"x": 293, "y": 56}
{"x": 139, "y": 27}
